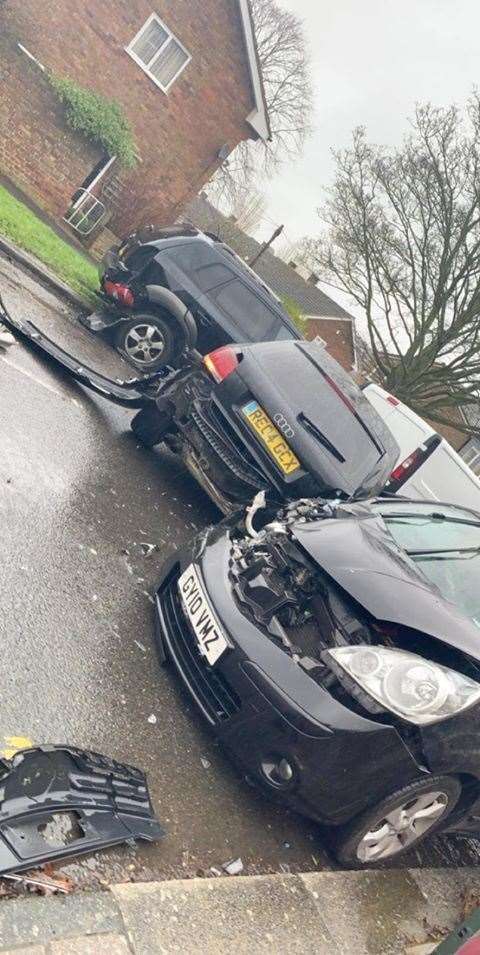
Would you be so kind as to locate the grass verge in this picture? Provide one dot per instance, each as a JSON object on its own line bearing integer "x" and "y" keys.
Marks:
{"x": 19, "y": 224}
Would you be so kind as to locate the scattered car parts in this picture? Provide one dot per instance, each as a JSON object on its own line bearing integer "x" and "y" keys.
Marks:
{"x": 60, "y": 801}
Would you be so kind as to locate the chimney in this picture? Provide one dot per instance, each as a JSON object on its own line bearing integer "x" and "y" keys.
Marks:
{"x": 292, "y": 264}
{"x": 313, "y": 279}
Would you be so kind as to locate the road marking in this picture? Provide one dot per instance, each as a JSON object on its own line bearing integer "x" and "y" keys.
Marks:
{"x": 12, "y": 744}
{"x": 38, "y": 381}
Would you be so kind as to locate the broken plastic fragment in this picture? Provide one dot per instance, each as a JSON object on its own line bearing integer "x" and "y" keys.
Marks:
{"x": 152, "y": 719}
{"x": 59, "y": 801}
{"x": 234, "y": 867}
{"x": 6, "y": 337}
{"x": 148, "y": 549}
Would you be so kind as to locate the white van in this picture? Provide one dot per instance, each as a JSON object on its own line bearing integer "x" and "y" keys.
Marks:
{"x": 427, "y": 465}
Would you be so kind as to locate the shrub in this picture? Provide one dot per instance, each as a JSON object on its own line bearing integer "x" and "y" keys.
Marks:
{"x": 100, "y": 119}
{"x": 295, "y": 314}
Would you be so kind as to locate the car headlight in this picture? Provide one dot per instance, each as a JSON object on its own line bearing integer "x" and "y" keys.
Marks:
{"x": 416, "y": 689}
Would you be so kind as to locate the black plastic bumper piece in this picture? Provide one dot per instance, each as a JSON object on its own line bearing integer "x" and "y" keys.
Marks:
{"x": 128, "y": 394}
{"x": 59, "y": 801}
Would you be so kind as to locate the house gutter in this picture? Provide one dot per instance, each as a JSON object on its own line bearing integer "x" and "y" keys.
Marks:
{"x": 258, "y": 118}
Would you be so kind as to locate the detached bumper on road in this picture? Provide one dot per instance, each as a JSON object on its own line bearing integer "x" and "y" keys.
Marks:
{"x": 264, "y": 708}
{"x": 129, "y": 393}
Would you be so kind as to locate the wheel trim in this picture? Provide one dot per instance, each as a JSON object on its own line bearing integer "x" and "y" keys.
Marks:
{"x": 144, "y": 343}
{"x": 402, "y": 826}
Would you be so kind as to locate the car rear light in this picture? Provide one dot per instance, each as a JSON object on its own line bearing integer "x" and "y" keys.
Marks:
{"x": 121, "y": 293}
{"x": 221, "y": 362}
{"x": 404, "y": 471}
{"x": 407, "y": 467}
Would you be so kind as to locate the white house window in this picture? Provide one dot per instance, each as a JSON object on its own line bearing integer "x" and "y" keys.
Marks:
{"x": 471, "y": 455}
{"x": 159, "y": 53}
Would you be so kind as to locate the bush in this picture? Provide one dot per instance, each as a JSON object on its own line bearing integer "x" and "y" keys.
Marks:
{"x": 295, "y": 314}
{"x": 100, "y": 119}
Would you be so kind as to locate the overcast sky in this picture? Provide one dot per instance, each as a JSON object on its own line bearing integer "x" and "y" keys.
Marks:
{"x": 372, "y": 60}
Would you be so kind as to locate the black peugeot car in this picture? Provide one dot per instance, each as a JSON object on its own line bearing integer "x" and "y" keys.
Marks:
{"x": 335, "y": 652}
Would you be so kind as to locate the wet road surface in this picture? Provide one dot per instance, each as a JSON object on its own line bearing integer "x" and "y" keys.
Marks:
{"x": 78, "y": 498}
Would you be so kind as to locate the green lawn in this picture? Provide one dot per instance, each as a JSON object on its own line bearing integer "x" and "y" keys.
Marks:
{"x": 21, "y": 225}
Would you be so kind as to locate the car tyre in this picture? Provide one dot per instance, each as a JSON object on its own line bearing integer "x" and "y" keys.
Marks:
{"x": 148, "y": 341}
{"x": 151, "y": 423}
{"x": 360, "y": 842}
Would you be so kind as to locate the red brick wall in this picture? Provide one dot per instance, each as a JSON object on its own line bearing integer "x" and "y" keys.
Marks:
{"x": 338, "y": 336}
{"x": 178, "y": 134}
{"x": 37, "y": 150}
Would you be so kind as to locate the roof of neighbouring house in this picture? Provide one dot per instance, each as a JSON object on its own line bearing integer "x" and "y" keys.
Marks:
{"x": 258, "y": 119}
{"x": 278, "y": 274}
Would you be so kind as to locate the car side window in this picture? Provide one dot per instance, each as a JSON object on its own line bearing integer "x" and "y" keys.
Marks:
{"x": 254, "y": 320}
{"x": 200, "y": 262}
{"x": 139, "y": 258}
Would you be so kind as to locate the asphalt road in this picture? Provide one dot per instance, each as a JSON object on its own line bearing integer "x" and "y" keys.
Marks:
{"x": 78, "y": 498}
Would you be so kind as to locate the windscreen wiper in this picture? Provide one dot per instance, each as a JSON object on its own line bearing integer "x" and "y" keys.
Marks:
{"x": 432, "y": 516}
{"x": 443, "y": 550}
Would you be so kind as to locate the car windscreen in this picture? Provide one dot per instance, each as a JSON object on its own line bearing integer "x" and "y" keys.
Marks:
{"x": 446, "y": 549}
{"x": 254, "y": 321}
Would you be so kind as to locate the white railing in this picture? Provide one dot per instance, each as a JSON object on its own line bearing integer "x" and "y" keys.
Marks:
{"x": 85, "y": 213}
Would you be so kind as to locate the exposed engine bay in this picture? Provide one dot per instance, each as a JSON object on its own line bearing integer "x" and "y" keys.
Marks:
{"x": 289, "y": 596}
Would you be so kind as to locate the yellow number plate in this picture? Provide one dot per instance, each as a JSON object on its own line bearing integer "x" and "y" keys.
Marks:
{"x": 271, "y": 437}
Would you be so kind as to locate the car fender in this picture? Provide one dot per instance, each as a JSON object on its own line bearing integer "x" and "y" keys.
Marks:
{"x": 171, "y": 303}
{"x": 157, "y": 298}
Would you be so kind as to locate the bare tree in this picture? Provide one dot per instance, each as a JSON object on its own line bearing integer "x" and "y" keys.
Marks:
{"x": 248, "y": 209}
{"x": 285, "y": 69}
{"x": 402, "y": 238}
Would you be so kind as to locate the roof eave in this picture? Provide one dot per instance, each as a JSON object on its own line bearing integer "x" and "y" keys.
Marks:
{"x": 258, "y": 119}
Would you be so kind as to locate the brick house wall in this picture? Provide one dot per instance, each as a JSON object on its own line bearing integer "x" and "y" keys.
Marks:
{"x": 38, "y": 151}
{"x": 178, "y": 134}
{"x": 338, "y": 338}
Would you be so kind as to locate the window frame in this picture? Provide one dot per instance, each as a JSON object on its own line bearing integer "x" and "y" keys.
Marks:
{"x": 170, "y": 36}
{"x": 472, "y": 447}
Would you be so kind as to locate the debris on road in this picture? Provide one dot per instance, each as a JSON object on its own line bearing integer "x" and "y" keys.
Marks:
{"x": 149, "y": 549}
{"x": 42, "y": 883}
{"x": 205, "y": 762}
{"x": 234, "y": 867}
{"x": 6, "y": 337}
{"x": 152, "y": 719}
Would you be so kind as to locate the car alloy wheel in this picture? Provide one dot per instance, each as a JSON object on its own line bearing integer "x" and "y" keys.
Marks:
{"x": 144, "y": 344}
{"x": 402, "y": 826}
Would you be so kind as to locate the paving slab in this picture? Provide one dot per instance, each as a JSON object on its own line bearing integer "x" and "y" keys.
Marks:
{"x": 38, "y": 921}
{"x": 258, "y": 914}
{"x": 108, "y": 944}
{"x": 387, "y": 912}
{"x": 371, "y": 912}
{"x": 30, "y": 950}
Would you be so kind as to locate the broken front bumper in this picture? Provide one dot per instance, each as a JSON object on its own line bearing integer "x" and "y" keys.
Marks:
{"x": 59, "y": 801}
